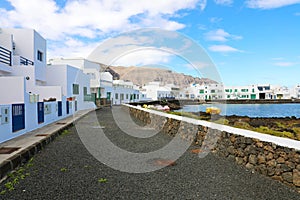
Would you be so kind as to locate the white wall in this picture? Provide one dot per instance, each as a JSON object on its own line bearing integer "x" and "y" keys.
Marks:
{"x": 77, "y": 76}
{"x": 28, "y": 72}
{"x": 40, "y": 66}
{"x": 6, "y": 40}
{"x": 56, "y": 75}
{"x": 46, "y": 92}
{"x": 12, "y": 90}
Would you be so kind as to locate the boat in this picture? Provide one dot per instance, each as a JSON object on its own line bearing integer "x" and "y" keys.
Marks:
{"x": 213, "y": 110}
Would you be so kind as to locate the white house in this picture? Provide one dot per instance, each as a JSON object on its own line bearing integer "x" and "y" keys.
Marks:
{"x": 88, "y": 67}
{"x": 295, "y": 92}
{"x": 29, "y": 100}
{"x": 75, "y": 85}
{"x": 154, "y": 91}
{"x": 205, "y": 91}
{"x": 125, "y": 92}
{"x": 106, "y": 85}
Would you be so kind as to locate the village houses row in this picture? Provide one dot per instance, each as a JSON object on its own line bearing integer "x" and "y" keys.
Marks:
{"x": 34, "y": 93}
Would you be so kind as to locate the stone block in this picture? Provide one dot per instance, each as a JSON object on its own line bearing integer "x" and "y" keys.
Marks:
{"x": 296, "y": 177}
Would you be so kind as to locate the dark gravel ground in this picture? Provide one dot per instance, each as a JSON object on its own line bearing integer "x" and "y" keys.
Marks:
{"x": 66, "y": 170}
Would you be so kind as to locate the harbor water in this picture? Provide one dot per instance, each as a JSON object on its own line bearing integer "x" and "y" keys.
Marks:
{"x": 250, "y": 110}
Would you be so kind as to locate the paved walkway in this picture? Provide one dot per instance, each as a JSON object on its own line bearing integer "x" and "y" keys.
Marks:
{"x": 65, "y": 169}
{"x": 33, "y": 141}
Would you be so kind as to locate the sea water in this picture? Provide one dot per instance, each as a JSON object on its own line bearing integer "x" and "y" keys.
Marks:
{"x": 250, "y": 110}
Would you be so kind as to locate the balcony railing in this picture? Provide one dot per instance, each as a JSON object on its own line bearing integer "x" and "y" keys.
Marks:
{"x": 5, "y": 56}
{"x": 25, "y": 61}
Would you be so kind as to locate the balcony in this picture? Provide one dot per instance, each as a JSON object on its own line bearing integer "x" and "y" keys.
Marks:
{"x": 20, "y": 60}
{"x": 5, "y": 56}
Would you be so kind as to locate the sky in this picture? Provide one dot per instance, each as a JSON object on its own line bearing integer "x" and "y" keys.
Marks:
{"x": 249, "y": 42}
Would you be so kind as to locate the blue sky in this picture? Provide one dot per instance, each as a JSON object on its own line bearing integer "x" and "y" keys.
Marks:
{"x": 250, "y": 42}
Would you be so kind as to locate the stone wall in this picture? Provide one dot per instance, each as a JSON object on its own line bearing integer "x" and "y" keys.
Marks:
{"x": 270, "y": 159}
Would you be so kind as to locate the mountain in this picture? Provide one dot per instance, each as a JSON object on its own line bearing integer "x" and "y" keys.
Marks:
{"x": 144, "y": 75}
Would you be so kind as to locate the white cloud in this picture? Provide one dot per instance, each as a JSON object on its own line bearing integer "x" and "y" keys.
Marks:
{"x": 223, "y": 49}
{"x": 284, "y": 64}
{"x": 143, "y": 57}
{"x": 220, "y": 35}
{"x": 215, "y": 19}
{"x": 270, "y": 4}
{"x": 90, "y": 19}
{"x": 202, "y": 4}
{"x": 224, "y": 2}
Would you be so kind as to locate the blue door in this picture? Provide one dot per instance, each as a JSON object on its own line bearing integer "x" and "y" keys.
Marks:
{"x": 18, "y": 117}
{"x": 75, "y": 105}
{"x": 67, "y": 107}
{"x": 59, "y": 108}
{"x": 40, "y": 108}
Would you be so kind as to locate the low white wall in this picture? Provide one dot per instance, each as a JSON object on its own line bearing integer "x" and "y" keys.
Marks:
{"x": 12, "y": 90}
{"x": 46, "y": 92}
{"x": 285, "y": 142}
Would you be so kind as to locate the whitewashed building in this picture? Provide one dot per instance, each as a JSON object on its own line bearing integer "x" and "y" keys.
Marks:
{"x": 92, "y": 69}
{"x": 154, "y": 91}
{"x": 28, "y": 99}
{"x": 125, "y": 92}
{"x": 295, "y": 92}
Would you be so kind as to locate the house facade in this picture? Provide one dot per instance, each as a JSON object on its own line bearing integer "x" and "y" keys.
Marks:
{"x": 34, "y": 95}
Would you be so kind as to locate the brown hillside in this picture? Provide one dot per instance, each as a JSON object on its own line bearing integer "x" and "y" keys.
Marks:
{"x": 144, "y": 75}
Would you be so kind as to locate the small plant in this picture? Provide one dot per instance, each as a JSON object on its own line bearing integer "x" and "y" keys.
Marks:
{"x": 16, "y": 176}
{"x": 63, "y": 169}
{"x": 65, "y": 132}
{"x": 2, "y": 192}
{"x": 102, "y": 180}
{"x": 9, "y": 186}
{"x": 222, "y": 121}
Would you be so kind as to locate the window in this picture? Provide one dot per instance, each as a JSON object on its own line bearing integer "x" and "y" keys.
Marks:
{"x": 201, "y": 91}
{"x": 244, "y": 90}
{"x": 75, "y": 89}
{"x": 122, "y": 96}
{"x": 138, "y": 96}
{"x": 40, "y": 55}
{"x": 213, "y": 91}
{"x": 84, "y": 91}
{"x": 116, "y": 96}
{"x": 227, "y": 90}
{"x": 127, "y": 96}
{"x": 235, "y": 90}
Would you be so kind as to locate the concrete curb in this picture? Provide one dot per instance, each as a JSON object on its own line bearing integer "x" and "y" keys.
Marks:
{"x": 27, "y": 152}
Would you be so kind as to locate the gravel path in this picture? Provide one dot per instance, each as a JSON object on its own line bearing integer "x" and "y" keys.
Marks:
{"x": 66, "y": 170}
